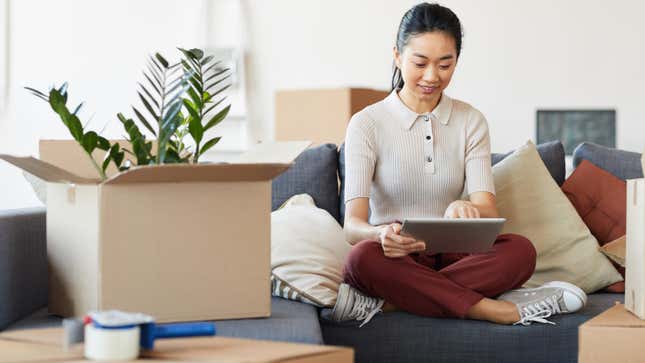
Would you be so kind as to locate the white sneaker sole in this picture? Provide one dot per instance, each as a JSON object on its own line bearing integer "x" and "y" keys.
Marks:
{"x": 570, "y": 288}
{"x": 343, "y": 291}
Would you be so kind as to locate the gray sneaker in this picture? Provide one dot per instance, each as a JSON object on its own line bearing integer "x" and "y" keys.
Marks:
{"x": 552, "y": 298}
{"x": 353, "y": 305}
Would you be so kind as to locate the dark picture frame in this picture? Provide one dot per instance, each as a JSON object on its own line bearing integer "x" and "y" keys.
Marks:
{"x": 572, "y": 127}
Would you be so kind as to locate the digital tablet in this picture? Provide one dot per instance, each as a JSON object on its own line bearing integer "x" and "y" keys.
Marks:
{"x": 460, "y": 235}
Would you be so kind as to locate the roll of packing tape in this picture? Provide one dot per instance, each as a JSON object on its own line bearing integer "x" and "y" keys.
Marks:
{"x": 111, "y": 343}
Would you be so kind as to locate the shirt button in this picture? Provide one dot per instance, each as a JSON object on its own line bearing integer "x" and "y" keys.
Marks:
{"x": 429, "y": 159}
{"x": 428, "y": 137}
{"x": 426, "y": 118}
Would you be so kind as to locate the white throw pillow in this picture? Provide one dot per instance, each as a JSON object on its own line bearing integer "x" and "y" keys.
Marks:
{"x": 308, "y": 250}
{"x": 536, "y": 208}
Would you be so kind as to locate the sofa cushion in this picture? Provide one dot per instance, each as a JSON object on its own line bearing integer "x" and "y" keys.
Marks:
{"x": 308, "y": 250}
{"x": 290, "y": 322}
{"x": 314, "y": 173}
{"x": 622, "y": 164}
{"x": 600, "y": 204}
{"x": 402, "y": 337}
{"x": 551, "y": 153}
{"x": 535, "y": 207}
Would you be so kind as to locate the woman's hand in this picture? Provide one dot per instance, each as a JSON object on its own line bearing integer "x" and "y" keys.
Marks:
{"x": 395, "y": 245}
{"x": 461, "y": 209}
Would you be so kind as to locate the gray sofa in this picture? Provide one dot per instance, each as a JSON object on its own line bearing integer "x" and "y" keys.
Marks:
{"x": 390, "y": 337}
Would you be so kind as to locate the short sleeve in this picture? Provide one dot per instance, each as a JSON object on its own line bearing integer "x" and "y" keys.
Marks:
{"x": 360, "y": 157}
{"x": 479, "y": 172}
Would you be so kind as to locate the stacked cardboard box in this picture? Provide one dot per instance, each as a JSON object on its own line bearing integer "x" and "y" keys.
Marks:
{"x": 319, "y": 115}
{"x": 613, "y": 336}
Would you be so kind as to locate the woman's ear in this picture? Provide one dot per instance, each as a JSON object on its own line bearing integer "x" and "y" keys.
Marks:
{"x": 397, "y": 57}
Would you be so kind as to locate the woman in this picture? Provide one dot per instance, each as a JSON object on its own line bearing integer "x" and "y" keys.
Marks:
{"x": 412, "y": 155}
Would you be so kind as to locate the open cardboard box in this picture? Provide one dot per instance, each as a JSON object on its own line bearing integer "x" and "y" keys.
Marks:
{"x": 177, "y": 241}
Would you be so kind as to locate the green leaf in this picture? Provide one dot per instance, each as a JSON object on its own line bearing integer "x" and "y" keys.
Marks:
{"x": 196, "y": 85}
{"x": 211, "y": 67}
{"x": 210, "y": 143}
{"x": 197, "y": 53}
{"x": 194, "y": 97}
{"x": 217, "y": 118}
{"x": 154, "y": 62}
{"x": 155, "y": 75}
{"x": 153, "y": 84}
{"x": 170, "y": 121}
{"x": 147, "y": 105}
{"x": 189, "y": 66}
{"x": 192, "y": 110}
{"x": 38, "y": 94}
{"x": 161, "y": 60}
{"x": 206, "y": 60}
{"x": 102, "y": 143}
{"x": 149, "y": 95}
{"x": 78, "y": 108}
{"x": 196, "y": 130}
{"x": 75, "y": 127}
{"x": 214, "y": 105}
{"x": 144, "y": 121}
{"x": 176, "y": 87}
{"x": 220, "y": 90}
{"x": 89, "y": 141}
{"x": 210, "y": 86}
{"x": 218, "y": 73}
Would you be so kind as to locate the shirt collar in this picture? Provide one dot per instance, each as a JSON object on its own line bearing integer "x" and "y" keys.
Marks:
{"x": 407, "y": 117}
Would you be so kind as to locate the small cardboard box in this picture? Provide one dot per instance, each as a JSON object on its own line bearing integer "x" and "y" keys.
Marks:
{"x": 616, "y": 335}
{"x": 320, "y": 115}
{"x": 635, "y": 248}
{"x": 44, "y": 345}
{"x": 177, "y": 241}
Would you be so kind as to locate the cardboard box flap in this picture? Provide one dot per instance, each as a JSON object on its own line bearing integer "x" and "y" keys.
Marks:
{"x": 617, "y": 316}
{"x": 182, "y": 173}
{"x": 46, "y": 171}
{"x": 273, "y": 152}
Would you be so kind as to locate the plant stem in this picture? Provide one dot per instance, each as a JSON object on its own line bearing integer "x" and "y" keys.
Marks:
{"x": 98, "y": 168}
{"x": 201, "y": 109}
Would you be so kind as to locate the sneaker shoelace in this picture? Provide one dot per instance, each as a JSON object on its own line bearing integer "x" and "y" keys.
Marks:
{"x": 539, "y": 311}
{"x": 365, "y": 308}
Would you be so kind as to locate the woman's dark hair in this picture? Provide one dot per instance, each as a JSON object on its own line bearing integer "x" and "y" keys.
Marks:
{"x": 424, "y": 18}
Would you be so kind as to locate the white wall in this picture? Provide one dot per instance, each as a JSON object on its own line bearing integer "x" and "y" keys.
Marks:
{"x": 517, "y": 56}
{"x": 99, "y": 47}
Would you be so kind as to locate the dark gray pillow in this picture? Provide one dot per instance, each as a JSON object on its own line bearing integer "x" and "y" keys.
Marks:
{"x": 623, "y": 164}
{"x": 314, "y": 173}
{"x": 552, "y": 154}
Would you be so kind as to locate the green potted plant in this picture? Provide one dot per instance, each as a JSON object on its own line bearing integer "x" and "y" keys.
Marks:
{"x": 180, "y": 100}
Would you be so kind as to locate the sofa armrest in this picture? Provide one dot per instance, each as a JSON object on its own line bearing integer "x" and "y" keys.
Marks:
{"x": 23, "y": 263}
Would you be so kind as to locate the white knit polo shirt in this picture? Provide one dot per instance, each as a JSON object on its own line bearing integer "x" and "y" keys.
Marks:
{"x": 415, "y": 165}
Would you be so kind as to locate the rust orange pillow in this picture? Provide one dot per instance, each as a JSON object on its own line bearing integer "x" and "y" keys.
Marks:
{"x": 600, "y": 199}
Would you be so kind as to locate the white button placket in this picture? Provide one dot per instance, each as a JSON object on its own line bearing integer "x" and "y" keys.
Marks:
{"x": 428, "y": 144}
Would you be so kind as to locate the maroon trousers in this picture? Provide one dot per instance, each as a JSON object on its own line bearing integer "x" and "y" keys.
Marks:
{"x": 440, "y": 285}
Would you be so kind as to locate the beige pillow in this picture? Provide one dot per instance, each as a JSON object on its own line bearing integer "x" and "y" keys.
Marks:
{"x": 537, "y": 209}
{"x": 308, "y": 250}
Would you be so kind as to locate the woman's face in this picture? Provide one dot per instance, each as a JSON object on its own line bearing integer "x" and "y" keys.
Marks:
{"x": 427, "y": 64}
